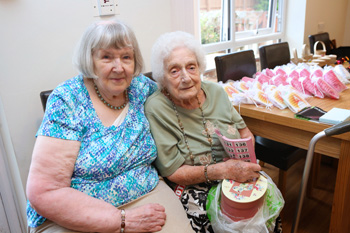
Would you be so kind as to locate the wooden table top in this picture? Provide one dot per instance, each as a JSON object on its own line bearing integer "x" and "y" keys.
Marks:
{"x": 286, "y": 117}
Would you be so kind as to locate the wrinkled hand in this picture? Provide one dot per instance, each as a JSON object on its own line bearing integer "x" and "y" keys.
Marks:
{"x": 146, "y": 218}
{"x": 241, "y": 171}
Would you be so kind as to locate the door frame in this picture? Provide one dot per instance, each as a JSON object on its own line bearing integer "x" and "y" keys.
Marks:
{"x": 11, "y": 187}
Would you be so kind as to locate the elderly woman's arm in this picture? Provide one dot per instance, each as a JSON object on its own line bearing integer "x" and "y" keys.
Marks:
{"x": 49, "y": 192}
{"x": 231, "y": 169}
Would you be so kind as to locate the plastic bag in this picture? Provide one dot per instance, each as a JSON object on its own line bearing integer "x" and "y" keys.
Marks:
{"x": 274, "y": 95}
{"x": 263, "y": 221}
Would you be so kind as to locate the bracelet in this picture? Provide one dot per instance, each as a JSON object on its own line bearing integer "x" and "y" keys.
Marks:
{"x": 206, "y": 173}
{"x": 122, "y": 225}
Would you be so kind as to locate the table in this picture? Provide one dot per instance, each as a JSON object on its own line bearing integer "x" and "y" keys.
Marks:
{"x": 280, "y": 125}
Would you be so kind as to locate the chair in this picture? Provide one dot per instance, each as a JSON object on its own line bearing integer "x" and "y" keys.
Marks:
{"x": 324, "y": 37}
{"x": 235, "y": 66}
{"x": 280, "y": 155}
{"x": 274, "y": 55}
{"x": 331, "y": 47}
{"x": 275, "y": 153}
{"x": 270, "y": 57}
{"x": 44, "y": 95}
{"x": 148, "y": 75}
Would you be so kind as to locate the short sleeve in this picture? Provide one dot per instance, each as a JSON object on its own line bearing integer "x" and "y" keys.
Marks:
{"x": 142, "y": 87}
{"x": 61, "y": 118}
{"x": 219, "y": 93}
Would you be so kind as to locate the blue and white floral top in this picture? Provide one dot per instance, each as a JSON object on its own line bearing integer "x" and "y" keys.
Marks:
{"x": 114, "y": 163}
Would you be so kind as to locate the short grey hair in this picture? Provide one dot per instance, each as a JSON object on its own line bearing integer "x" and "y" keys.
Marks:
{"x": 165, "y": 45}
{"x": 103, "y": 35}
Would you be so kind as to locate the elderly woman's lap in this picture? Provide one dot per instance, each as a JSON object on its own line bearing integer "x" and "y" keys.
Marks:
{"x": 176, "y": 220}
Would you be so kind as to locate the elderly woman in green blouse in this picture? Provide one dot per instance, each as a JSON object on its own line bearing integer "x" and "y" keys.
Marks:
{"x": 183, "y": 114}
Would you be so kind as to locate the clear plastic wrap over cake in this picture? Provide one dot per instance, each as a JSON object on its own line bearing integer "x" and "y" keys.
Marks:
{"x": 242, "y": 148}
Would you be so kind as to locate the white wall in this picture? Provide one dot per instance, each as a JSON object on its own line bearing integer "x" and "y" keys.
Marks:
{"x": 303, "y": 18}
{"x": 332, "y": 14}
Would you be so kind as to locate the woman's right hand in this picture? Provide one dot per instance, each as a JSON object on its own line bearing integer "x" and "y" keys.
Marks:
{"x": 146, "y": 218}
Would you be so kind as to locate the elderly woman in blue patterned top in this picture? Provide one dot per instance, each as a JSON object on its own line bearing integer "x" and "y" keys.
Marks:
{"x": 183, "y": 115}
{"x": 91, "y": 168}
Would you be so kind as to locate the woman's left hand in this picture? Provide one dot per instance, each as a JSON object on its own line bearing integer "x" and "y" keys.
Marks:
{"x": 240, "y": 171}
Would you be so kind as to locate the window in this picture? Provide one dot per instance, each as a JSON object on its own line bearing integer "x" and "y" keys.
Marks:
{"x": 233, "y": 25}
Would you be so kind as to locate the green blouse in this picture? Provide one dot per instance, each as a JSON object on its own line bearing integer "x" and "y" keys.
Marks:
{"x": 219, "y": 114}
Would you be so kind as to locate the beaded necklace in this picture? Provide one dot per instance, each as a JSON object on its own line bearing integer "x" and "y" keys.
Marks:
{"x": 210, "y": 140}
{"x": 109, "y": 105}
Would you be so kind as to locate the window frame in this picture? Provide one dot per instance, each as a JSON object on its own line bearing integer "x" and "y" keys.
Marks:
{"x": 239, "y": 39}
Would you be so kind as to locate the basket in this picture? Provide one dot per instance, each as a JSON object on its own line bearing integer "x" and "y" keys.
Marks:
{"x": 320, "y": 52}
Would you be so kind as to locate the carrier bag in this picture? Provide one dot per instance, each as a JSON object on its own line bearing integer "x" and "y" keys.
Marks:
{"x": 263, "y": 221}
